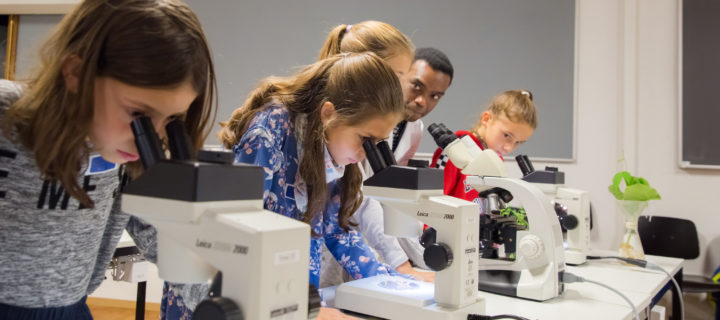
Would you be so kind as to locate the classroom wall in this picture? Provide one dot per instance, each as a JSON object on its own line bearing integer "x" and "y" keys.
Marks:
{"x": 627, "y": 109}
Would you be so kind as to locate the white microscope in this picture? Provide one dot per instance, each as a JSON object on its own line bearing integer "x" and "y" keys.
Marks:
{"x": 536, "y": 271}
{"x": 571, "y": 205}
{"x": 409, "y": 194}
{"x": 209, "y": 217}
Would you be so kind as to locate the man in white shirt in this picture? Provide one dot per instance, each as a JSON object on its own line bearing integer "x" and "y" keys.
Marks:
{"x": 429, "y": 77}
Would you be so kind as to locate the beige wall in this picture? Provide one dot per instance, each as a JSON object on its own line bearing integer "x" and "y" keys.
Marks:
{"x": 627, "y": 108}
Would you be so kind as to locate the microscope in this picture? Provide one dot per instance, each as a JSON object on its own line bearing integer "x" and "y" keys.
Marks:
{"x": 539, "y": 261}
{"x": 408, "y": 194}
{"x": 571, "y": 205}
{"x": 209, "y": 218}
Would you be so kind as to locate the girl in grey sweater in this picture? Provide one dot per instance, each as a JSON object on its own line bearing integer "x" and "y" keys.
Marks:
{"x": 67, "y": 146}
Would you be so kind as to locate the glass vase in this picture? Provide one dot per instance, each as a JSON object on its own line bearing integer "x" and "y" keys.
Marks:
{"x": 630, "y": 245}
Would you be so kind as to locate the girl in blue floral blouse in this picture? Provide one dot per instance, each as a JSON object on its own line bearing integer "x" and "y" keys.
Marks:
{"x": 307, "y": 130}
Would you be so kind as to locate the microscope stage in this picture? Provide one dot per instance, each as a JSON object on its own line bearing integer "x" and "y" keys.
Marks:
{"x": 398, "y": 298}
{"x": 391, "y": 289}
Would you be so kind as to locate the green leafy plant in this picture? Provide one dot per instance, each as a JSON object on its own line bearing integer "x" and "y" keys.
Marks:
{"x": 636, "y": 188}
{"x": 519, "y": 214}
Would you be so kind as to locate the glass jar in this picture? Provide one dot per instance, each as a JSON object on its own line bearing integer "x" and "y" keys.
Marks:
{"x": 630, "y": 245}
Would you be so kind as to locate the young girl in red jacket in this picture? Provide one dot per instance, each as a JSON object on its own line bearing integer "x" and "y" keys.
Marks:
{"x": 509, "y": 120}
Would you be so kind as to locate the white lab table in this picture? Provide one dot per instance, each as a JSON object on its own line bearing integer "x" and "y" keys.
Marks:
{"x": 587, "y": 300}
{"x": 590, "y": 301}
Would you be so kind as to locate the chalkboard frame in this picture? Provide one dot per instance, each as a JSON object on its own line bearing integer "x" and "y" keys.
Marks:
{"x": 683, "y": 109}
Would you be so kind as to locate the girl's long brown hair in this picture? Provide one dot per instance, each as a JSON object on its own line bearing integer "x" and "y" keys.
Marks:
{"x": 361, "y": 86}
{"x": 145, "y": 43}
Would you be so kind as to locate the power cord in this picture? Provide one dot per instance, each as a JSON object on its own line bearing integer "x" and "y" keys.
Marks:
{"x": 500, "y": 316}
{"x": 637, "y": 262}
{"x": 649, "y": 265}
{"x": 570, "y": 278}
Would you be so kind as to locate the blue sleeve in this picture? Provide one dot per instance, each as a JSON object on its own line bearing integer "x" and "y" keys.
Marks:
{"x": 257, "y": 147}
{"x": 262, "y": 145}
{"x": 348, "y": 248}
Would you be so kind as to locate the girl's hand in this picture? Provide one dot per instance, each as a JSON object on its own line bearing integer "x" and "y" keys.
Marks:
{"x": 427, "y": 276}
{"x": 406, "y": 268}
{"x": 332, "y": 314}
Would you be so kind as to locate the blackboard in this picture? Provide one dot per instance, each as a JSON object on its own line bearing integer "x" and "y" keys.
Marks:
{"x": 700, "y": 69}
{"x": 494, "y": 46}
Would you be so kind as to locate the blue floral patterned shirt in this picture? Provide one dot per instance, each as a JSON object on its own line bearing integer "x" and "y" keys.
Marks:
{"x": 271, "y": 142}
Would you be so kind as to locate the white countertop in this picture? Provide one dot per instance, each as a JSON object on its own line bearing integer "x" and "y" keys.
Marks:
{"x": 586, "y": 300}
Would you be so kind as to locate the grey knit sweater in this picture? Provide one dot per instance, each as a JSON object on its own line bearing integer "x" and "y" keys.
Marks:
{"x": 52, "y": 250}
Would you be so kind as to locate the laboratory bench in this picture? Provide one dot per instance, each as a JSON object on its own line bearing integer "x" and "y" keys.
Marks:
{"x": 643, "y": 287}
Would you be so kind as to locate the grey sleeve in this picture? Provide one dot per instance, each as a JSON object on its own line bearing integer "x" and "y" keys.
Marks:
{"x": 369, "y": 218}
{"x": 117, "y": 220}
{"x": 11, "y": 92}
{"x": 145, "y": 237}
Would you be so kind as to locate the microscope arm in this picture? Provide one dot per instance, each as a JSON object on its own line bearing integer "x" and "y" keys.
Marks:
{"x": 455, "y": 252}
{"x": 546, "y": 242}
{"x": 466, "y": 155}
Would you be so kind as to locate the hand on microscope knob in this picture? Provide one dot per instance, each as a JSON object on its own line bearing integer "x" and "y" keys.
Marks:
{"x": 531, "y": 246}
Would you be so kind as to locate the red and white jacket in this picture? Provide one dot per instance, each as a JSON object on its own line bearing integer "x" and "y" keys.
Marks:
{"x": 454, "y": 180}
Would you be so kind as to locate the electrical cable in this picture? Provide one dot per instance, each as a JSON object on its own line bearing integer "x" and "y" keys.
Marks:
{"x": 636, "y": 262}
{"x": 570, "y": 278}
{"x": 653, "y": 266}
{"x": 649, "y": 265}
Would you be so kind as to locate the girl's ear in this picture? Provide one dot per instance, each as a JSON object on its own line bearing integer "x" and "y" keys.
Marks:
{"x": 71, "y": 72}
{"x": 486, "y": 118}
{"x": 327, "y": 112}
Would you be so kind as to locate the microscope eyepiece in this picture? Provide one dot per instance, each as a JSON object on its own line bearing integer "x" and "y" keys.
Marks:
{"x": 147, "y": 142}
{"x": 524, "y": 163}
{"x": 179, "y": 141}
{"x": 441, "y": 134}
{"x": 373, "y": 155}
{"x": 386, "y": 153}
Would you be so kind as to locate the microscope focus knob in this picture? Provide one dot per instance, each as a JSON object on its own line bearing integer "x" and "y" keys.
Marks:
{"x": 217, "y": 308}
{"x": 428, "y": 237}
{"x": 569, "y": 222}
{"x": 531, "y": 246}
{"x": 438, "y": 256}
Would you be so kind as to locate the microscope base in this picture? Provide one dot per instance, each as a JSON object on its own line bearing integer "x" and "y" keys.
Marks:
{"x": 539, "y": 284}
{"x": 398, "y": 298}
{"x": 575, "y": 258}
